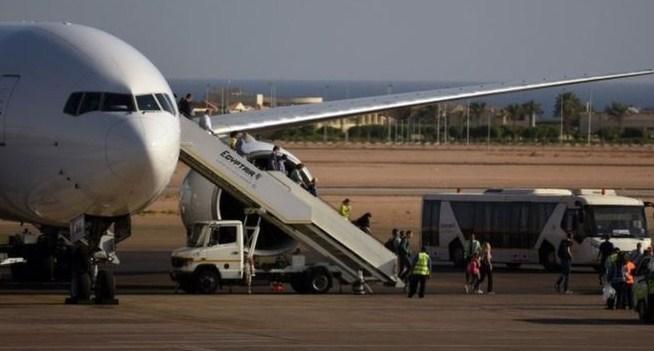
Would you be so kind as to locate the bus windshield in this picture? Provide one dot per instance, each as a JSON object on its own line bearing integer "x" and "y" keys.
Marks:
{"x": 617, "y": 221}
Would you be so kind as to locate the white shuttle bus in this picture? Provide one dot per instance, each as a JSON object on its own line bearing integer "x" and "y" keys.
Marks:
{"x": 527, "y": 225}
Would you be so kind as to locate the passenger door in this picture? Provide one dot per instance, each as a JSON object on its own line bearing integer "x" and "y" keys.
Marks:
{"x": 225, "y": 250}
{"x": 7, "y": 85}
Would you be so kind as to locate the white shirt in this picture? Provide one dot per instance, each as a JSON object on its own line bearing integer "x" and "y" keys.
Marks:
{"x": 205, "y": 122}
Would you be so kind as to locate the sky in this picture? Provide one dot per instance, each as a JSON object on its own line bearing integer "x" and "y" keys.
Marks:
{"x": 431, "y": 40}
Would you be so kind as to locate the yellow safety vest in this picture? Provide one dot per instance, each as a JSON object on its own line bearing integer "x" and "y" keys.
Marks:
{"x": 422, "y": 265}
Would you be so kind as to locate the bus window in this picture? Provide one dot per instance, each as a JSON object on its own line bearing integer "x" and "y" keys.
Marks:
{"x": 503, "y": 224}
{"x": 431, "y": 211}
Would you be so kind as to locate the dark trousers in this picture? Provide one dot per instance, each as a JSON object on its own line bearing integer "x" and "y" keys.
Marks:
{"x": 405, "y": 266}
{"x": 628, "y": 298}
{"x": 564, "y": 278}
{"x": 486, "y": 273}
{"x": 620, "y": 294}
{"x": 417, "y": 282}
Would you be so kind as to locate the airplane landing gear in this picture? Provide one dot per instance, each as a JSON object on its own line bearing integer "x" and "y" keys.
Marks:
{"x": 80, "y": 277}
{"x": 93, "y": 254}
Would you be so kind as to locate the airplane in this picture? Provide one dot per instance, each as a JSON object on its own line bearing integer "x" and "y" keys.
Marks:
{"x": 90, "y": 134}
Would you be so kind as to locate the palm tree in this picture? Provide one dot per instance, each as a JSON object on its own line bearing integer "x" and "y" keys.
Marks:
{"x": 515, "y": 113}
{"x": 617, "y": 111}
{"x": 532, "y": 109}
{"x": 572, "y": 109}
{"x": 477, "y": 110}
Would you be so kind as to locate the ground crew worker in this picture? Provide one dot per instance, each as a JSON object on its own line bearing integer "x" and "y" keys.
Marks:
{"x": 345, "y": 209}
{"x": 419, "y": 274}
{"x": 629, "y": 269}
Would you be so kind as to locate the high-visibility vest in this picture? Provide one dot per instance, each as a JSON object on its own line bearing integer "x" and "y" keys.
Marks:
{"x": 422, "y": 264}
{"x": 629, "y": 274}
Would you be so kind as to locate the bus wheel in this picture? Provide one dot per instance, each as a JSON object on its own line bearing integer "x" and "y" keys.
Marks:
{"x": 456, "y": 253}
{"x": 513, "y": 266}
{"x": 547, "y": 257}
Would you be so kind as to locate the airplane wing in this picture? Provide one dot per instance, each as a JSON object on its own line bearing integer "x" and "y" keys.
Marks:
{"x": 300, "y": 114}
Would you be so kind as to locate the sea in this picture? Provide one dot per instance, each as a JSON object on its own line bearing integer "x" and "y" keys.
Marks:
{"x": 639, "y": 94}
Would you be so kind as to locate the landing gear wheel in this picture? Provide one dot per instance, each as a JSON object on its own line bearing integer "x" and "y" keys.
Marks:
{"x": 80, "y": 284}
{"x": 207, "y": 281}
{"x": 105, "y": 288}
{"x": 80, "y": 289}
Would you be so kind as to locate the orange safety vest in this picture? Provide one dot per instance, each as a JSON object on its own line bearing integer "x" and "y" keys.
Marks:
{"x": 629, "y": 274}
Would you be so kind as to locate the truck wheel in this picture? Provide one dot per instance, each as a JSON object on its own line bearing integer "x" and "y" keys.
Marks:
{"x": 547, "y": 257}
{"x": 320, "y": 281}
{"x": 298, "y": 284}
{"x": 207, "y": 281}
{"x": 187, "y": 285}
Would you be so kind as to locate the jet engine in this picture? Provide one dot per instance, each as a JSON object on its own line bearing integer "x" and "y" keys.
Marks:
{"x": 201, "y": 200}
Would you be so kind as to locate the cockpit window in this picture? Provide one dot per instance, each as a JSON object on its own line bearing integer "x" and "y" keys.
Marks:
{"x": 165, "y": 104}
{"x": 118, "y": 103}
{"x": 147, "y": 103}
{"x": 73, "y": 104}
{"x": 90, "y": 102}
{"x": 172, "y": 103}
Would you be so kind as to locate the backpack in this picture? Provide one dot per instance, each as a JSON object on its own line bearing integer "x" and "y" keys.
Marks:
{"x": 389, "y": 245}
{"x": 562, "y": 250}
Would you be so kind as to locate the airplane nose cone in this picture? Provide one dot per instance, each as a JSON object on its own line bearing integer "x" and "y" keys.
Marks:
{"x": 142, "y": 153}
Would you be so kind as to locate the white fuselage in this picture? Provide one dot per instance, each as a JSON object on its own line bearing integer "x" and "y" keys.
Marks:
{"x": 57, "y": 165}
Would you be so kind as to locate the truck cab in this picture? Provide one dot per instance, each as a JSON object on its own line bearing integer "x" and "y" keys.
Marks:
{"x": 643, "y": 289}
{"x": 213, "y": 255}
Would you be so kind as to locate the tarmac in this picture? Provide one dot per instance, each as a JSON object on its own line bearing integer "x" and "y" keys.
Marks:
{"x": 526, "y": 313}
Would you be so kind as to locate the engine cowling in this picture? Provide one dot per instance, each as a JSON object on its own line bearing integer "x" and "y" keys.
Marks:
{"x": 201, "y": 200}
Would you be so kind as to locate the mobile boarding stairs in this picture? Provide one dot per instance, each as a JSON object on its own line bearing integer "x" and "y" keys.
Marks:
{"x": 290, "y": 207}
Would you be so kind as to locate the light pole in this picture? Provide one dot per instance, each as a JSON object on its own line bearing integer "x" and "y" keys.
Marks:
{"x": 324, "y": 124}
{"x": 590, "y": 115}
{"x": 561, "y": 131}
{"x": 438, "y": 124}
{"x": 468, "y": 123}
{"x": 489, "y": 130}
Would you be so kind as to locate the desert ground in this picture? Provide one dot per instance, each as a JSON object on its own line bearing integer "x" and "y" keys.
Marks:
{"x": 389, "y": 180}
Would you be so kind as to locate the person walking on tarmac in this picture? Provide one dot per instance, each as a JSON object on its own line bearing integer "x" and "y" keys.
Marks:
{"x": 486, "y": 268}
{"x": 565, "y": 256}
{"x": 605, "y": 250}
{"x": 470, "y": 248}
{"x": 404, "y": 255}
{"x": 420, "y": 272}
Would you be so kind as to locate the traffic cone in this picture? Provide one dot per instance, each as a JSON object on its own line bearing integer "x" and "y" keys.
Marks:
{"x": 358, "y": 288}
